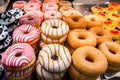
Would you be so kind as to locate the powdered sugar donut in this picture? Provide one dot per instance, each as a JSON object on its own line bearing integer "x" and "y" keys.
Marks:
{"x": 10, "y": 16}
{"x": 31, "y": 6}
{"x": 30, "y": 18}
{"x": 25, "y": 33}
{"x": 54, "y": 28}
{"x": 49, "y": 6}
{"x": 51, "y": 40}
{"x": 19, "y": 4}
{"x": 55, "y": 58}
{"x": 18, "y": 55}
{"x": 52, "y": 15}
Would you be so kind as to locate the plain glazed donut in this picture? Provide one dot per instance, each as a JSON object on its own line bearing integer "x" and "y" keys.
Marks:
{"x": 75, "y": 22}
{"x": 55, "y": 58}
{"x": 88, "y": 60}
{"x": 79, "y": 37}
{"x": 65, "y": 8}
{"x": 52, "y": 15}
{"x": 54, "y": 28}
{"x": 50, "y": 6}
{"x": 112, "y": 52}
{"x": 32, "y": 6}
{"x": 64, "y": 3}
{"x": 93, "y": 21}
{"x": 102, "y": 34}
{"x": 51, "y": 40}
{"x": 19, "y": 4}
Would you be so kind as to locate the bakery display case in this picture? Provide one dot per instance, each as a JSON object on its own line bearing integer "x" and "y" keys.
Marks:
{"x": 54, "y": 34}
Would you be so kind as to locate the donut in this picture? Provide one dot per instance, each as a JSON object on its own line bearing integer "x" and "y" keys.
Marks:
{"x": 48, "y": 40}
{"x": 111, "y": 51}
{"x": 87, "y": 60}
{"x": 102, "y": 34}
{"x": 96, "y": 9}
{"x": 79, "y": 37}
{"x": 114, "y": 5}
{"x": 55, "y": 58}
{"x": 50, "y": 6}
{"x": 30, "y": 18}
{"x": 27, "y": 34}
{"x": 65, "y": 8}
{"x": 75, "y": 75}
{"x": 54, "y": 1}
{"x": 35, "y": 1}
{"x": 113, "y": 67}
{"x": 18, "y": 60}
{"x": 71, "y": 12}
{"x": 75, "y": 22}
{"x": 54, "y": 28}
{"x": 64, "y": 3}
{"x": 10, "y": 16}
{"x": 32, "y": 6}
{"x": 19, "y": 4}
{"x": 52, "y": 15}
{"x": 93, "y": 20}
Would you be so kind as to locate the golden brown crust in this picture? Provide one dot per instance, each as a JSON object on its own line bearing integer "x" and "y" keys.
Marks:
{"x": 75, "y": 21}
{"x": 79, "y": 37}
{"x": 88, "y": 61}
{"x": 102, "y": 34}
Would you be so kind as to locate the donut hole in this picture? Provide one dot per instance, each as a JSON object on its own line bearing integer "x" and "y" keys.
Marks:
{"x": 99, "y": 34}
{"x": 75, "y": 19}
{"x": 52, "y": 15}
{"x": 54, "y": 57}
{"x": 31, "y": 5}
{"x": 26, "y": 32}
{"x": 18, "y": 54}
{"x": 111, "y": 51}
{"x": 81, "y": 37}
{"x": 93, "y": 19}
{"x": 89, "y": 59}
{"x": 30, "y": 18}
{"x": 54, "y": 27}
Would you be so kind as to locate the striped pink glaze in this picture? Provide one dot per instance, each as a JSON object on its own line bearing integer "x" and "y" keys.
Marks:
{"x": 51, "y": 1}
{"x": 52, "y": 15}
{"x": 9, "y": 57}
{"x": 50, "y": 6}
{"x": 25, "y": 33}
{"x": 19, "y": 4}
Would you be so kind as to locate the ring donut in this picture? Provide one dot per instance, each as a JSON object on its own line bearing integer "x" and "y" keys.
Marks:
{"x": 112, "y": 52}
{"x": 64, "y": 3}
{"x": 102, "y": 34}
{"x": 75, "y": 21}
{"x": 19, "y": 4}
{"x": 87, "y": 60}
{"x": 79, "y": 37}
{"x": 54, "y": 28}
{"x": 93, "y": 21}
{"x": 50, "y": 40}
{"x": 65, "y": 8}
{"x": 55, "y": 58}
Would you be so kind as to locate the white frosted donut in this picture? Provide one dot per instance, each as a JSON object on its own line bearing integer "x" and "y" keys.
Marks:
{"x": 50, "y": 40}
{"x": 54, "y": 28}
{"x": 55, "y": 58}
{"x": 46, "y": 75}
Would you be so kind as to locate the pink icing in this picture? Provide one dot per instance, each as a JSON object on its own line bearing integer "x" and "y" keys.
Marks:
{"x": 32, "y": 6}
{"x": 25, "y": 33}
{"x": 49, "y": 6}
{"x": 52, "y": 15}
{"x": 36, "y": 1}
{"x": 19, "y": 4}
{"x": 18, "y": 55}
{"x": 51, "y": 0}
{"x": 32, "y": 18}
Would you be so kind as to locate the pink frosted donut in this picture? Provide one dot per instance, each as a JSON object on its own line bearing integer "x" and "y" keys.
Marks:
{"x": 31, "y": 6}
{"x": 19, "y": 4}
{"x": 52, "y": 15}
{"x": 31, "y": 18}
{"x": 25, "y": 33}
{"x": 55, "y": 1}
{"x": 49, "y": 6}
{"x": 36, "y": 1}
{"x": 18, "y": 55}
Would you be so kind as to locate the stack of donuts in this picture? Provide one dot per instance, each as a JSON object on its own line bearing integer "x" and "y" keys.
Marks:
{"x": 68, "y": 42}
